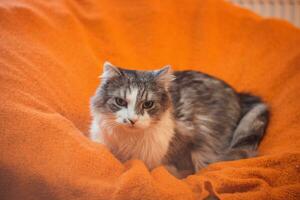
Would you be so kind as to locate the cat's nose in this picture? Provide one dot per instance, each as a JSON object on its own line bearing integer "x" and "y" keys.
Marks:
{"x": 132, "y": 121}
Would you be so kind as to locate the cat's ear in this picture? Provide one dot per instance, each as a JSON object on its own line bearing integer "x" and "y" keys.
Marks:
{"x": 110, "y": 71}
{"x": 164, "y": 75}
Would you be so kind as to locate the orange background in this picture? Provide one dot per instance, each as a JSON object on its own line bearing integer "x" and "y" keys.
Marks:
{"x": 51, "y": 53}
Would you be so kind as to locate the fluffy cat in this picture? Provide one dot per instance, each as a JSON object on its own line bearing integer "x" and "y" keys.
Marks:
{"x": 184, "y": 120}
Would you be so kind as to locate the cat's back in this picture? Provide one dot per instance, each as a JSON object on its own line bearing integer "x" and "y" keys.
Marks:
{"x": 203, "y": 103}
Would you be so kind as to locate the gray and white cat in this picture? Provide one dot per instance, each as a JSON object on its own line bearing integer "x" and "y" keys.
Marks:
{"x": 184, "y": 120}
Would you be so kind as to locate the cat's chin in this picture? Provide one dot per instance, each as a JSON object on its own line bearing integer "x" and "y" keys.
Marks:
{"x": 134, "y": 128}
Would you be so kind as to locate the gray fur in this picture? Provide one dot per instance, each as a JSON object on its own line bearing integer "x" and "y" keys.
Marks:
{"x": 251, "y": 125}
{"x": 212, "y": 121}
{"x": 125, "y": 80}
{"x": 217, "y": 123}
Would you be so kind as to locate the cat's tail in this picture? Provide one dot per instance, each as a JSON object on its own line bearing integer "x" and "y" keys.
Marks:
{"x": 250, "y": 129}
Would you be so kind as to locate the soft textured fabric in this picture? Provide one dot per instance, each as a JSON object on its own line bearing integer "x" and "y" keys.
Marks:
{"x": 51, "y": 53}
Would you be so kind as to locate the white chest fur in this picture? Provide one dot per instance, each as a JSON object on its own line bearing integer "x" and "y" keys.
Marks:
{"x": 149, "y": 145}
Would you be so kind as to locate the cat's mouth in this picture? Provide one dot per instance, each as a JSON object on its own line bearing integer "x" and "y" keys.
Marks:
{"x": 130, "y": 126}
{"x": 134, "y": 127}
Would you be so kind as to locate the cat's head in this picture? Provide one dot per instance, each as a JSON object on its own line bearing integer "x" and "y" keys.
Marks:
{"x": 132, "y": 99}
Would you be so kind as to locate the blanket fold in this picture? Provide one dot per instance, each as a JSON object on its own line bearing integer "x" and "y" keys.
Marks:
{"x": 51, "y": 53}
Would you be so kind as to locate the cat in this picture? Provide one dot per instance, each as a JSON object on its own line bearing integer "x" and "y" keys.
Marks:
{"x": 184, "y": 120}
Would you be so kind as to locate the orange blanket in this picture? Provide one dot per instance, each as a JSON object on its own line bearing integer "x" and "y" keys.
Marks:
{"x": 51, "y": 53}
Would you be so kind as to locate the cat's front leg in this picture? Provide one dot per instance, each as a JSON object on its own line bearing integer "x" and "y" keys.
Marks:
{"x": 198, "y": 160}
{"x": 180, "y": 174}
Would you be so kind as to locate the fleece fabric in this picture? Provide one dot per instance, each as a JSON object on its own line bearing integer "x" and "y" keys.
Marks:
{"x": 51, "y": 54}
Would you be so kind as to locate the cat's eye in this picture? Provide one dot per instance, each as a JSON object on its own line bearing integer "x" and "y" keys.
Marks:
{"x": 148, "y": 104}
{"x": 120, "y": 102}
